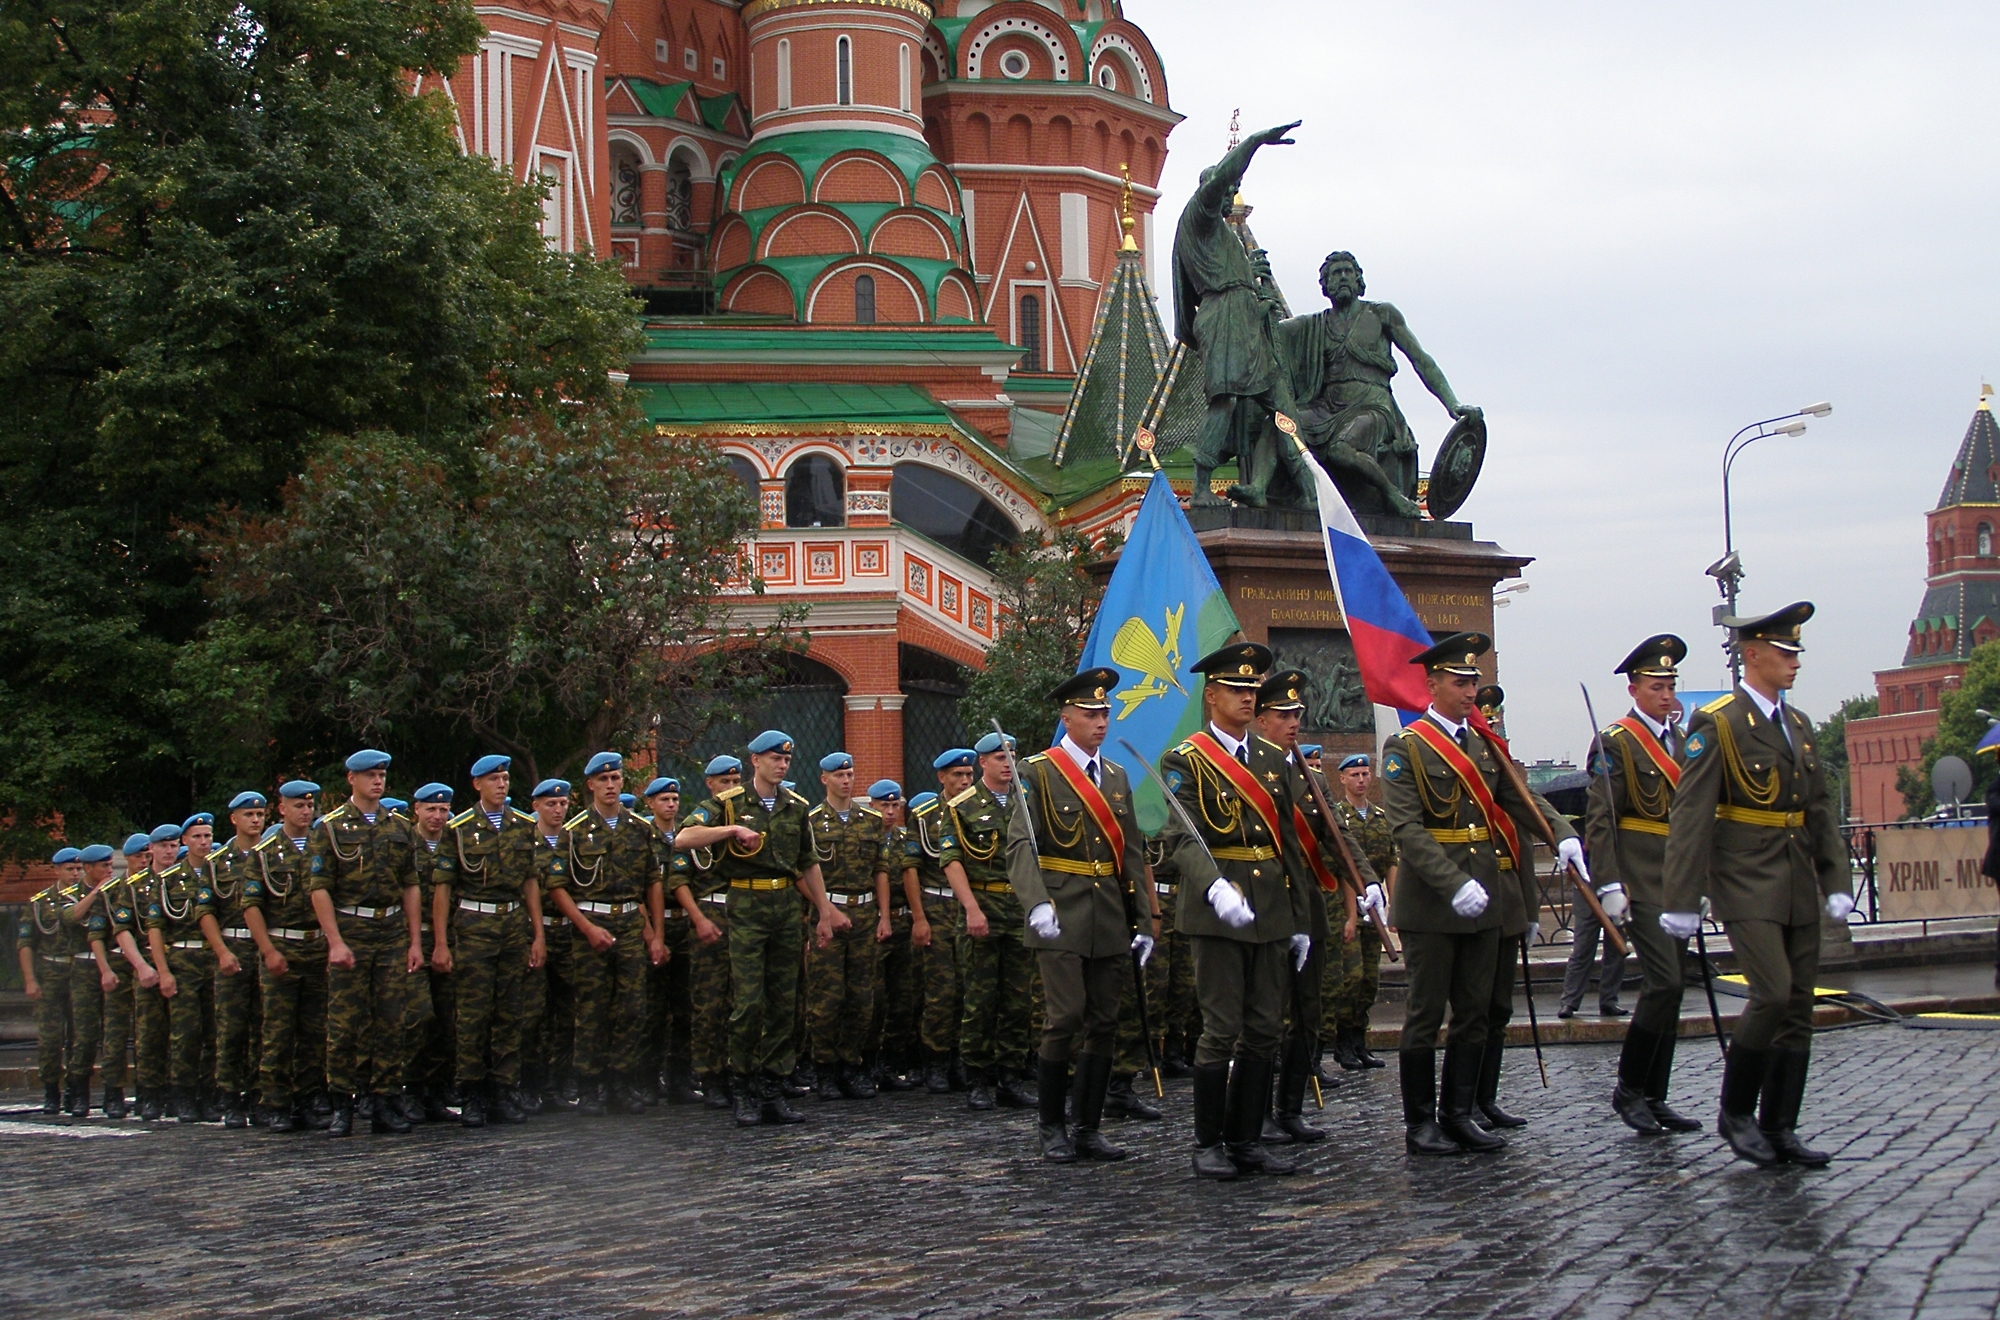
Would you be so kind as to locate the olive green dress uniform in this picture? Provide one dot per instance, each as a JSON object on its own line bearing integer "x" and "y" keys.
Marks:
{"x": 291, "y": 1066}
{"x": 994, "y": 973}
{"x": 487, "y": 868}
{"x": 548, "y": 993}
{"x": 238, "y": 998}
{"x": 369, "y": 870}
{"x": 710, "y": 991}
{"x": 844, "y": 979}
{"x": 764, "y": 942}
{"x": 150, "y": 1024}
{"x": 181, "y": 895}
{"x": 937, "y": 962}
{"x": 41, "y": 930}
{"x": 1359, "y": 975}
{"x": 608, "y": 871}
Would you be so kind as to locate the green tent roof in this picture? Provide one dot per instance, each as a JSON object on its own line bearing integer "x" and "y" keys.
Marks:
{"x": 694, "y": 402}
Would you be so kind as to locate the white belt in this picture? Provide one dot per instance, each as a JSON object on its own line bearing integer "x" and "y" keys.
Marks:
{"x": 847, "y": 900}
{"x": 720, "y": 896}
{"x": 1165, "y": 890}
{"x": 368, "y": 913}
{"x": 80, "y": 957}
{"x": 609, "y": 909}
{"x": 281, "y": 933}
{"x": 555, "y": 920}
{"x": 237, "y": 933}
{"x": 488, "y": 909}
{"x": 55, "y": 957}
{"x": 188, "y": 944}
{"x": 939, "y": 893}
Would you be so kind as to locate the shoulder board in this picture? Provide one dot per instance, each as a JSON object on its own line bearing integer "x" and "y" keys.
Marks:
{"x": 1038, "y": 756}
{"x": 928, "y": 807}
{"x": 1721, "y": 701}
{"x": 1610, "y": 729}
{"x": 869, "y": 811}
{"x": 40, "y": 897}
{"x": 1185, "y": 749}
{"x": 729, "y": 793}
{"x": 343, "y": 810}
{"x": 463, "y": 817}
{"x": 178, "y": 868}
{"x": 515, "y": 813}
{"x": 963, "y": 796}
{"x": 394, "y": 814}
{"x": 1262, "y": 741}
{"x": 576, "y": 820}
{"x": 795, "y": 796}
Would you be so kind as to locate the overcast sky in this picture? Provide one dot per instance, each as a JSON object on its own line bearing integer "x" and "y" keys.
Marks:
{"x": 1625, "y": 232}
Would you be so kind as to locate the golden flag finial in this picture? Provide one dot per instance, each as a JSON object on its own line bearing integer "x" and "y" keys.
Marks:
{"x": 1125, "y": 209}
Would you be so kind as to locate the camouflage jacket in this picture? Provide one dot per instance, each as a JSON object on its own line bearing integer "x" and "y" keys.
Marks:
{"x": 850, "y": 852}
{"x": 233, "y": 866}
{"x": 784, "y": 852}
{"x": 483, "y": 864}
{"x": 975, "y": 836}
{"x": 183, "y": 895}
{"x": 606, "y": 863}
{"x": 274, "y": 884}
{"x": 359, "y": 863}
{"x": 1372, "y": 831}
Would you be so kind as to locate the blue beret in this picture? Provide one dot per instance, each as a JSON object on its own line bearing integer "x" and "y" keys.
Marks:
{"x": 297, "y": 788}
{"x": 434, "y": 793}
{"x": 394, "y": 804}
{"x": 990, "y": 744}
{"x": 486, "y": 765}
{"x": 664, "y": 784}
{"x": 164, "y": 833}
{"x": 921, "y": 800}
{"x": 95, "y": 853}
{"x": 601, "y": 762}
{"x": 885, "y": 790}
{"x": 249, "y": 797}
{"x": 181, "y": 852}
{"x": 627, "y": 800}
{"x": 551, "y": 788}
{"x": 1309, "y": 749}
{"x": 1358, "y": 758}
{"x": 136, "y": 843}
{"x": 199, "y": 818}
{"x": 833, "y": 761}
{"x": 722, "y": 765}
{"x": 367, "y": 759}
{"x": 771, "y": 740}
{"x": 955, "y": 759}
{"x": 65, "y": 855}
{"x": 788, "y": 783}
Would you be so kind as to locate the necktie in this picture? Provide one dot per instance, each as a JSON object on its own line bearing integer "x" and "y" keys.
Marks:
{"x": 1091, "y": 769}
{"x": 1243, "y": 753}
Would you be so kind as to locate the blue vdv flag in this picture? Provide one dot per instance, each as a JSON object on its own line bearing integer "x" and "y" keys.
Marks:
{"x": 1162, "y": 611}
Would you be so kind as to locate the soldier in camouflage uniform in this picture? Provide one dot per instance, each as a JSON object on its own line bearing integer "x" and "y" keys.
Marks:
{"x": 151, "y": 1026}
{"x": 44, "y": 947}
{"x": 934, "y": 919}
{"x": 91, "y": 975}
{"x": 703, "y": 897}
{"x": 669, "y": 1010}
{"x": 1175, "y": 1012}
{"x": 606, "y": 881}
{"x": 238, "y": 1015}
{"x": 430, "y": 1013}
{"x": 362, "y": 875}
{"x": 764, "y": 848}
{"x": 1361, "y": 973}
{"x": 484, "y": 892}
{"x": 893, "y": 1041}
{"x": 844, "y": 979}
{"x": 995, "y": 1024}
{"x": 548, "y": 993}
{"x": 181, "y": 896}
{"x": 291, "y": 965}
{"x": 116, "y": 944}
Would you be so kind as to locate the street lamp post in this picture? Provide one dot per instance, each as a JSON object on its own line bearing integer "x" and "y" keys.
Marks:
{"x": 1728, "y": 570}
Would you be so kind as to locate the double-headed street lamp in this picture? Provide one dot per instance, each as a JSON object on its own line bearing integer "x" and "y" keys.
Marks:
{"x": 1728, "y": 570}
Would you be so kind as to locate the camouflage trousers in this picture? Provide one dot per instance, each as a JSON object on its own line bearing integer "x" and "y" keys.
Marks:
{"x": 710, "y": 994}
{"x": 997, "y": 1022}
{"x": 1132, "y": 1055}
{"x": 427, "y": 1051}
{"x": 238, "y": 1021}
{"x": 364, "y": 1009}
{"x": 1360, "y": 982}
{"x": 548, "y": 1007}
{"x": 487, "y": 987}
{"x": 291, "y": 1061}
{"x": 120, "y": 1014}
{"x": 152, "y": 1032}
{"x": 937, "y": 972}
{"x": 191, "y": 1019}
{"x": 86, "y": 1016}
{"x": 843, "y": 981}
{"x": 52, "y": 1017}
{"x": 900, "y": 1003}
{"x": 764, "y": 952}
{"x": 668, "y": 1006}
{"x": 610, "y": 997}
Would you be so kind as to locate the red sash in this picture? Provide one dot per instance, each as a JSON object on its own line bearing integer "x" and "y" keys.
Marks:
{"x": 1310, "y": 847}
{"x": 1651, "y": 745}
{"x": 1241, "y": 779}
{"x": 1498, "y": 823}
{"x": 1093, "y": 801}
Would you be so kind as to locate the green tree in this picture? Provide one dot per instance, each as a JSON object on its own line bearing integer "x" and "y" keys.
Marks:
{"x": 1048, "y": 597}
{"x": 1960, "y": 727}
{"x": 1832, "y": 738}
{"x": 229, "y": 235}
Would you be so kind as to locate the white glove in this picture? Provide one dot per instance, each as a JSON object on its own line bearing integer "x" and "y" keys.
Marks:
{"x": 1680, "y": 925}
{"x": 1470, "y": 900}
{"x": 1143, "y": 945}
{"x": 1838, "y": 904}
{"x": 1301, "y": 949}
{"x": 1570, "y": 853}
{"x": 1230, "y": 905}
{"x": 1615, "y": 903}
{"x": 1374, "y": 900}
{"x": 1042, "y": 920}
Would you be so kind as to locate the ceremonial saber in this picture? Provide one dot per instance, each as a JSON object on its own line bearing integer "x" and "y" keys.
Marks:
{"x": 1708, "y": 984}
{"x": 1520, "y": 783}
{"x": 1534, "y": 1027}
{"x": 1146, "y": 1023}
{"x": 1610, "y": 809}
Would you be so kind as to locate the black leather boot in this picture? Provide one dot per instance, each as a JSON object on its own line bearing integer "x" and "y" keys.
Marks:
{"x": 1051, "y": 1095}
{"x": 681, "y": 1088}
{"x": 321, "y": 1111}
{"x": 1343, "y": 1051}
{"x": 1784, "y": 1093}
{"x": 1635, "y": 1068}
{"x": 1211, "y": 1110}
{"x": 52, "y": 1098}
{"x": 777, "y": 1106}
{"x": 715, "y": 1091}
{"x": 1172, "y": 1062}
{"x": 936, "y": 1080}
{"x": 1490, "y": 1059}
{"x": 1421, "y": 1133}
{"x": 1361, "y": 1051}
{"x": 592, "y": 1101}
{"x": 1743, "y": 1075}
{"x": 388, "y": 1117}
{"x": 802, "y": 1081}
{"x": 410, "y": 1105}
{"x": 236, "y": 1114}
{"x": 507, "y": 1104}
{"x": 1243, "y": 1124}
{"x": 957, "y": 1073}
{"x": 892, "y": 1072}
{"x": 1656, "y": 1089}
{"x": 1093, "y": 1080}
{"x": 829, "y": 1082}
{"x": 472, "y": 1105}
{"x": 981, "y": 1094}
{"x": 1292, "y": 1079}
{"x": 343, "y": 1117}
{"x": 746, "y": 1099}
{"x": 1124, "y": 1100}
{"x": 1014, "y": 1090}
{"x": 629, "y": 1096}
{"x": 280, "y": 1118}
{"x": 857, "y": 1082}
{"x": 208, "y": 1105}
{"x": 1456, "y": 1107}
{"x": 187, "y": 1108}
{"x": 114, "y": 1102}
{"x": 152, "y": 1106}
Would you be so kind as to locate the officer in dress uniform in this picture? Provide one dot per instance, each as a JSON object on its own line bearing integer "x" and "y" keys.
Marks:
{"x": 1635, "y": 766}
{"x": 1251, "y": 925}
{"x": 1077, "y": 864}
{"x": 1755, "y": 829}
{"x": 1463, "y": 879}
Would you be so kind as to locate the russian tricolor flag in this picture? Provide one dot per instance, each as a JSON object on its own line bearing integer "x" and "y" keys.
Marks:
{"x": 1387, "y": 633}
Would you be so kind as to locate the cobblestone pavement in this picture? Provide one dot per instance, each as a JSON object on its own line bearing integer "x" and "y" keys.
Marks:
{"x": 909, "y": 1206}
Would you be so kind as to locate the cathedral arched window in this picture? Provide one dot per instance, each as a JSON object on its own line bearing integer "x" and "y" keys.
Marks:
{"x": 680, "y": 193}
{"x": 950, "y": 512}
{"x": 864, "y": 300}
{"x": 815, "y": 493}
{"x": 624, "y": 184}
{"x": 784, "y": 74}
{"x": 843, "y": 71}
{"x": 1031, "y": 332}
{"x": 746, "y": 472}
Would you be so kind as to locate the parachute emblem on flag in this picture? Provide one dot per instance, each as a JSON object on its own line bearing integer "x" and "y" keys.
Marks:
{"x": 1137, "y": 647}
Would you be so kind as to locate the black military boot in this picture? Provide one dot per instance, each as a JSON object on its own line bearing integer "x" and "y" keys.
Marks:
{"x": 410, "y": 1105}
{"x": 1243, "y": 1124}
{"x": 1490, "y": 1059}
{"x": 343, "y": 1117}
{"x": 278, "y": 1118}
{"x": 472, "y": 1105}
{"x": 981, "y": 1094}
{"x": 1051, "y": 1096}
{"x": 152, "y": 1106}
{"x": 1343, "y": 1051}
{"x": 748, "y": 1099}
{"x": 803, "y": 1081}
{"x": 1093, "y": 1080}
{"x": 856, "y": 1083}
{"x": 208, "y": 1104}
{"x": 114, "y": 1102}
{"x": 322, "y": 1110}
{"x": 628, "y": 1097}
{"x": 1292, "y": 1079}
{"x": 1015, "y": 1091}
{"x": 52, "y": 1098}
{"x": 1272, "y": 1134}
{"x": 436, "y": 1110}
{"x": 1635, "y": 1065}
{"x": 715, "y": 1091}
{"x": 1172, "y": 1062}
{"x": 1211, "y": 1103}
{"x": 958, "y": 1074}
{"x": 830, "y": 1078}
{"x": 1462, "y": 1066}
{"x": 591, "y": 1099}
{"x": 508, "y": 1101}
{"x": 1784, "y": 1093}
{"x": 936, "y": 1080}
{"x": 1743, "y": 1074}
{"x": 1421, "y": 1133}
{"x": 681, "y": 1088}
{"x": 1359, "y": 1039}
{"x": 187, "y": 1108}
{"x": 388, "y": 1117}
{"x": 1656, "y": 1089}
{"x": 236, "y": 1114}
{"x": 777, "y": 1107}
{"x": 1124, "y": 1100}
{"x": 892, "y": 1072}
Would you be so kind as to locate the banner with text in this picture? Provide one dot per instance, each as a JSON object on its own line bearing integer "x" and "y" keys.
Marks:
{"x": 1931, "y": 874}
